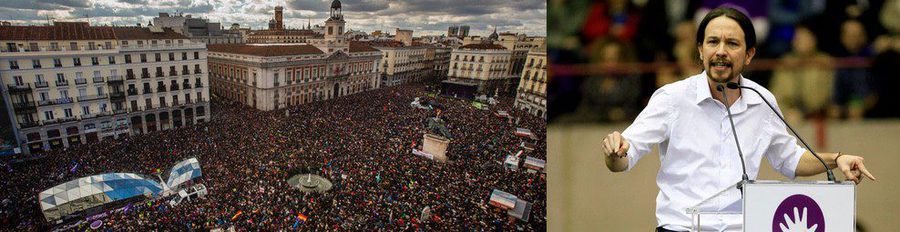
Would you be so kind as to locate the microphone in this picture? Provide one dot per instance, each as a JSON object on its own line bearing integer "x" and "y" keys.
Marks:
{"x": 828, "y": 172}
{"x": 744, "y": 178}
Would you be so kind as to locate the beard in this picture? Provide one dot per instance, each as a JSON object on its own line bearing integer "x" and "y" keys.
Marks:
{"x": 721, "y": 71}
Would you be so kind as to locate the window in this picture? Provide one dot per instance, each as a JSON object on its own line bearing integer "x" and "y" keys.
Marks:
{"x": 85, "y": 110}
{"x": 100, "y": 90}
{"x": 124, "y": 42}
{"x": 140, "y": 42}
{"x": 107, "y": 45}
{"x": 157, "y": 57}
{"x": 73, "y": 46}
{"x": 184, "y": 56}
{"x": 127, "y": 59}
{"x": 36, "y": 63}
{"x": 143, "y": 58}
{"x": 67, "y": 112}
{"x": 48, "y": 115}
{"x": 57, "y": 62}
{"x": 13, "y": 64}
{"x": 18, "y": 80}
{"x": 95, "y": 61}
{"x": 60, "y": 77}
{"x": 153, "y": 42}
{"x": 44, "y": 96}
{"x": 82, "y": 92}
{"x": 171, "y": 56}
{"x": 92, "y": 46}
{"x": 39, "y": 77}
{"x": 96, "y": 73}
{"x": 197, "y": 69}
{"x": 64, "y": 94}
{"x": 76, "y": 61}
{"x": 196, "y": 55}
{"x": 112, "y": 60}
{"x": 54, "y": 46}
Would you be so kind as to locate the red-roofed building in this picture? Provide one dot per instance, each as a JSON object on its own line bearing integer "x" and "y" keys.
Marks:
{"x": 275, "y": 76}
{"x": 71, "y": 83}
{"x": 271, "y": 76}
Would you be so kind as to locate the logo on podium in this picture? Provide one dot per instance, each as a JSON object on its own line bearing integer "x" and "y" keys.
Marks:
{"x": 798, "y": 213}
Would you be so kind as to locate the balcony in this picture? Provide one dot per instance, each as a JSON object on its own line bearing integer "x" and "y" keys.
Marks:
{"x": 24, "y": 88}
{"x": 173, "y": 88}
{"x": 114, "y": 80}
{"x": 186, "y": 86}
{"x": 24, "y": 107}
{"x": 130, "y": 76}
{"x": 29, "y": 124}
{"x": 58, "y": 101}
{"x": 56, "y": 51}
{"x": 91, "y": 97}
{"x": 132, "y": 92}
{"x": 61, "y": 120}
{"x": 147, "y": 91}
{"x": 198, "y": 85}
{"x": 148, "y": 47}
{"x": 161, "y": 88}
{"x": 80, "y": 81}
{"x": 198, "y": 71}
{"x": 173, "y": 73}
{"x": 145, "y": 75}
{"x": 159, "y": 74}
{"x": 62, "y": 83}
{"x": 120, "y": 111}
{"x": 98, "y": 80}
{"x": 115, "y": 96}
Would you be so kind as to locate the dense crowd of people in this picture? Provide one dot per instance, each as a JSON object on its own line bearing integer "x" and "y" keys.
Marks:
{"x": 361, "y": 142}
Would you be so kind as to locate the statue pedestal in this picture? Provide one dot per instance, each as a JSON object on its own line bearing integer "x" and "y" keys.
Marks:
{"x": 436, "y": 146}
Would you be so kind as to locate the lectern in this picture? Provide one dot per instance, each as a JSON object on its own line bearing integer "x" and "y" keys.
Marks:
{"x": 780, "y": 206}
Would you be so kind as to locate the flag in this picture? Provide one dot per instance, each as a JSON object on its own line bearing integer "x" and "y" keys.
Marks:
{"x": 300, "y": 216}
{"x": 74, "y": 168}
{"x": 237, "y": 215}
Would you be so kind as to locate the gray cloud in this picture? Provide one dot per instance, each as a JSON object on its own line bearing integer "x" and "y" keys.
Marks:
{"x": 423, "y": 16}
{"x": 44, "y": 4}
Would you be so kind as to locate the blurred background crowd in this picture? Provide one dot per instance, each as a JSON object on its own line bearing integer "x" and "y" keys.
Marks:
{"x": 835, "y": 60}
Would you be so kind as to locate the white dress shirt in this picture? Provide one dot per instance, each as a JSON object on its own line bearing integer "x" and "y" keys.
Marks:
{"x": 697, "y": 151}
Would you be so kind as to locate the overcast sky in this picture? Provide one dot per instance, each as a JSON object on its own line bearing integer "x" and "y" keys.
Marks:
{"x": 425, "y": 17}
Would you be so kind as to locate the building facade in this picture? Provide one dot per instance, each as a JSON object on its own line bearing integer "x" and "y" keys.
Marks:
{"x": 487, "y": 65}
{"x": 72, "y": 83}
{"x": 197, "y": 29}
{"x": 531, "y": 95}
{"x": 275, "y": 76}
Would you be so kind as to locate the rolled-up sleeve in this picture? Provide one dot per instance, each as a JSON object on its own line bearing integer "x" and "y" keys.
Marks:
{"x": 650, "y": 127}
{"x": 783, "y": 152}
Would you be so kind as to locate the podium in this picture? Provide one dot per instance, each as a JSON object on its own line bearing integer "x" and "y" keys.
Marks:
{"x": 771, "y": 205}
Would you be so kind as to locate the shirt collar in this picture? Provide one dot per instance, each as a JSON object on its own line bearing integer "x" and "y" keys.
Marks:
{"x": 704, "y": 93}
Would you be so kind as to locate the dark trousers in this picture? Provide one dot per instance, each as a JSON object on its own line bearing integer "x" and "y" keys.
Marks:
{"x": 660, "y": 229}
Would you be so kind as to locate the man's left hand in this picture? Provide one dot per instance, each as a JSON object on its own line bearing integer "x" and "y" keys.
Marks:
{"x": 853, "y": 168}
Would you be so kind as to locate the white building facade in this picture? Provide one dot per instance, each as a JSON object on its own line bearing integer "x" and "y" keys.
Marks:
{"x": 71, "y": 83}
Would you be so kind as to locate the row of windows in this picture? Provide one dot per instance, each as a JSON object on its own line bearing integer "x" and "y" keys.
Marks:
{"x": 103, "y": 106}
{"x": 62, "y": 81}
{"x": 500, "y": 59}
{"x": 76, "y": 61}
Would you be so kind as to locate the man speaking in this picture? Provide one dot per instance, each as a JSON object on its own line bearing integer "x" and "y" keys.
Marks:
{"x": 699, "y": 151}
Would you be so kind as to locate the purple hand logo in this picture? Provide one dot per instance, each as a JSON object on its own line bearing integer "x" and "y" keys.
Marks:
{"x": 798, "y": 213}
